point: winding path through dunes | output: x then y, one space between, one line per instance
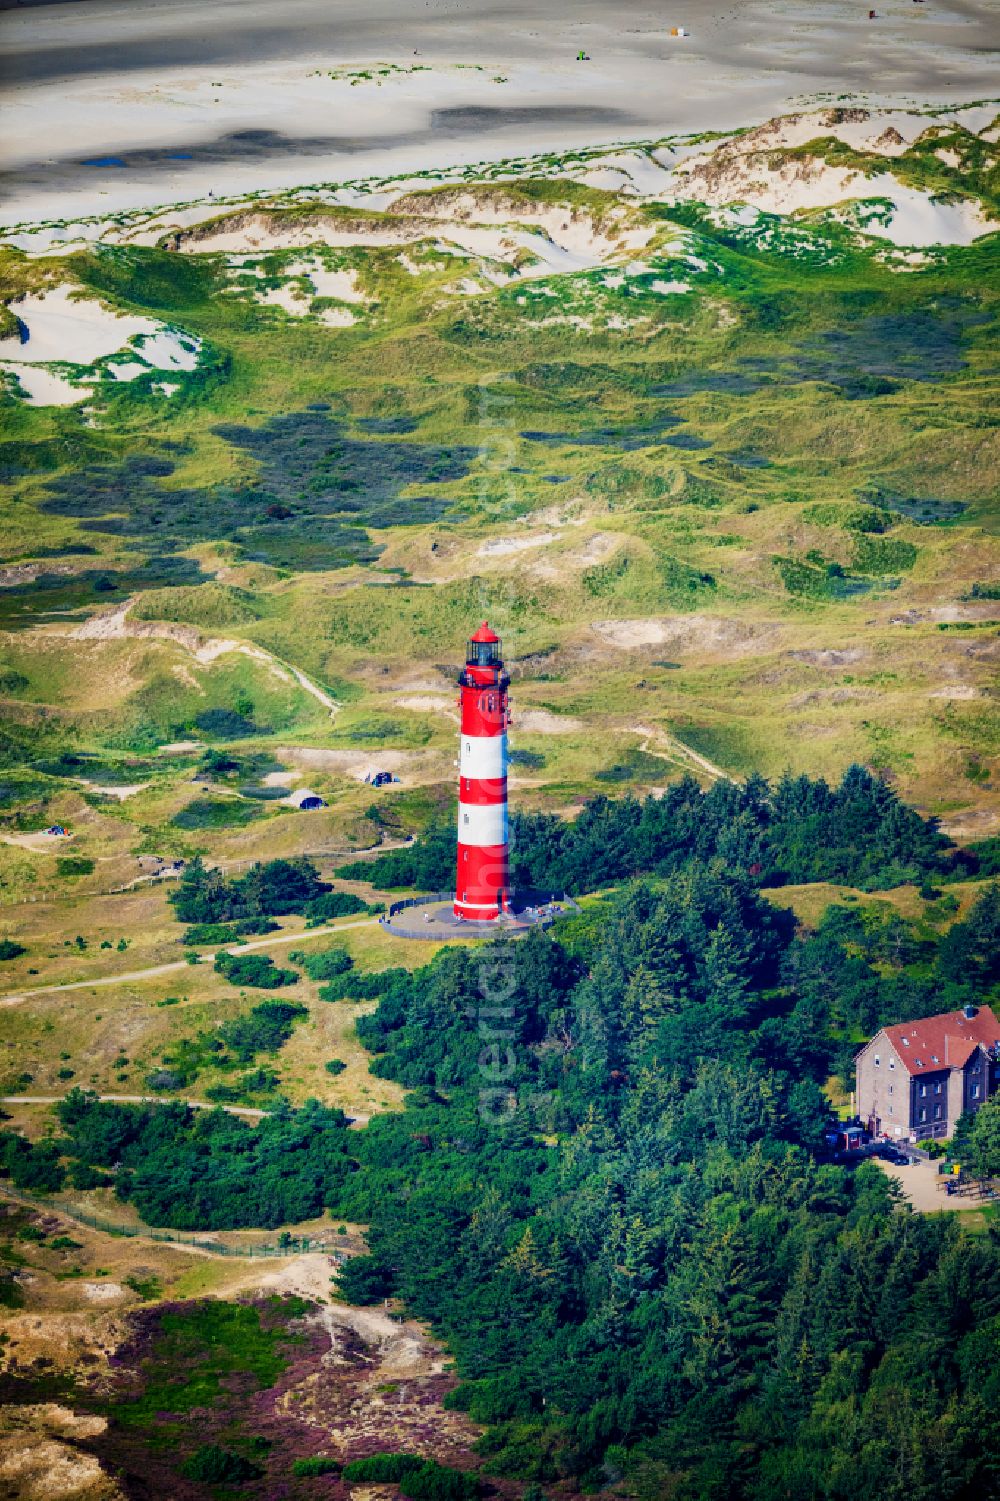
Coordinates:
137 975
662 743
117 624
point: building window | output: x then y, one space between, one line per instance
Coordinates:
937 1112
923 1091
975 1091
892 1063
923 1115
890 1089
877 1060
465 817
937 1087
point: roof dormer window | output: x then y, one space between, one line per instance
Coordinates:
906 1042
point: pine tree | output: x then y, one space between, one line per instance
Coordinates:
724 973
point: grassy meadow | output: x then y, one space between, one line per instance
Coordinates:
725 484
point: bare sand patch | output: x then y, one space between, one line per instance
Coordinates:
34 1468
342 284
427 703
688 633
839 656
121 792
916 218
501 547
291 299
63 327
337 317
305 280
44 388
102 1292
281 778
543 722
59 327
356 763
401 1349
597 549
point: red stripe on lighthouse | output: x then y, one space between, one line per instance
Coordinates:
482 879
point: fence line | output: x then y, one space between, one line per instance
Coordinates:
294 1246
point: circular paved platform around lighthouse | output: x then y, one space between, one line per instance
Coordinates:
433 918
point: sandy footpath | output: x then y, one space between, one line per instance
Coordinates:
113 105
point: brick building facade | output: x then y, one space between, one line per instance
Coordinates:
915 1079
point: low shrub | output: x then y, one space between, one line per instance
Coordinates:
9 949
260 1081
83 1177
418 1478
325 965
254 969
226 724
361 986
213 1465
228 932
531 760
69 866
34 1166
316 1464
382 1469
164 1079
333 904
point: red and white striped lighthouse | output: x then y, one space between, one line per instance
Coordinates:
482 883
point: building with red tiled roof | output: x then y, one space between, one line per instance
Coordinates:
915 1079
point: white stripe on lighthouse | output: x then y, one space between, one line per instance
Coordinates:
482 824
483 757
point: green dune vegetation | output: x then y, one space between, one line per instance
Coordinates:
724 479
729 480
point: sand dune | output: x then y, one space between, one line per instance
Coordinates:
113 107
58 327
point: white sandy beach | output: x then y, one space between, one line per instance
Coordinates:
110 106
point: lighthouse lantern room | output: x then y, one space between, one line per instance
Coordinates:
482 888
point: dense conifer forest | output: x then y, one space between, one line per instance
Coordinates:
609 1191
798 830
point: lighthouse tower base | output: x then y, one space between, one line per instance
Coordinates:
434 918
